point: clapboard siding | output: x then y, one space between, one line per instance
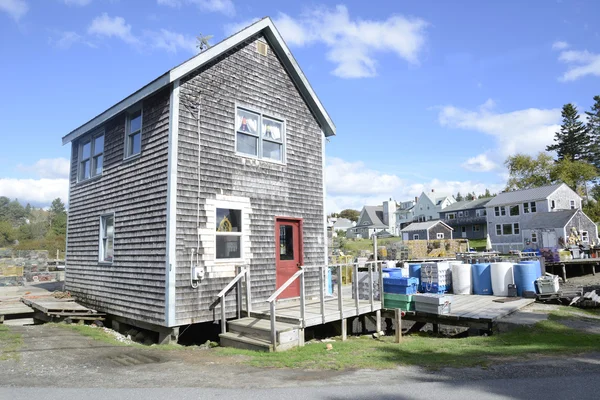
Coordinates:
213 172
136 191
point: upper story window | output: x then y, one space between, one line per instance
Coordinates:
529 207
440 235
572 204
451 216
585 237
259 136
480 213
91 156
552 204
133 134
107 238
514 210
460 213
500 211
466 214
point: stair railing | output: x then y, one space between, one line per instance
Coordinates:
244 272
272 302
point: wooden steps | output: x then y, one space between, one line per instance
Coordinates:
255 334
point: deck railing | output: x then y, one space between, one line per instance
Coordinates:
244 272
273 308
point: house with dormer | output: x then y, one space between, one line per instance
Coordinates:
375 220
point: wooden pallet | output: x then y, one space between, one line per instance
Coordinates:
51 309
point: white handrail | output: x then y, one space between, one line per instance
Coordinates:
233 282
287 283
273 297
244 272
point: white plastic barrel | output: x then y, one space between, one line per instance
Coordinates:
462 280
502 276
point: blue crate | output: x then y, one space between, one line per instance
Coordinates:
399 289
434 288
401 281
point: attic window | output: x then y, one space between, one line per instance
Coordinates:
261 48
259 136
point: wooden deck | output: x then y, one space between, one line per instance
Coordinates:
470 310
289 310
581 265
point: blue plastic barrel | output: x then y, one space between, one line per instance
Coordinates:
393 272
482 279
525 275
536 263
414 271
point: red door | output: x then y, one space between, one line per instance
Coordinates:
288 254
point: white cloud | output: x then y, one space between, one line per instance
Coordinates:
579 64
528 131
52 168
67 39
559 45
354 185
480 163
222 6
79 3
112 27
353 44
15 8
39 192
172 41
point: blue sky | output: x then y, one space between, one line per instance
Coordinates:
428 94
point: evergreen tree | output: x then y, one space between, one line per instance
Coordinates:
593 128
458 197
572 141
58 217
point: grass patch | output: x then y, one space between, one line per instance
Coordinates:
355 246
565 312
478 244
545 338
102 336
10 343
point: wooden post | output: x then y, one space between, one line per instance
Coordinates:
398 313
564 272
344 329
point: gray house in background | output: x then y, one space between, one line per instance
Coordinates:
552 229
374 219
215 164
429 230
510 214
467 218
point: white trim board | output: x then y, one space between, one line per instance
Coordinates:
265 26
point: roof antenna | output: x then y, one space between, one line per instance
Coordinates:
202 42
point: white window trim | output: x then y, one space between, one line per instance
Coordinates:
453 215
140 108
415 236
498 226
101 239
515 227
439 235
90 139
240 234
460 214
510 214
534 237
572 204
267 115
586 238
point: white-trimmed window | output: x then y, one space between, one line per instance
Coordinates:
133 133
439 235
500 211
513 210
451 216
476 228
516 230
534 237
259 135
228 233
107 238
460 213
572 204
480 213
507 229
498 229
416 236
466 214
91 156
529 207
585 237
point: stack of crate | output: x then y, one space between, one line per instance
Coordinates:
363 286
398 293
436 277
431 303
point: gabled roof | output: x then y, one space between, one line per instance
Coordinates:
343 223
550 220
437 198
264 26
375 214
467 205
519 196
423 226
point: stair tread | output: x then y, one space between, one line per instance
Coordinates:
246 339
262 324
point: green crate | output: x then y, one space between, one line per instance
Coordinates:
398 297
403 305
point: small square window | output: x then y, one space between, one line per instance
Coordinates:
107 238
514 211
258 135
416 236
440 235
133 134
507 229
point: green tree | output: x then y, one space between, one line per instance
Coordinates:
572 141
458 197
350 214
593 129
526 172
7 234
576 174
486 194
58 217
592 210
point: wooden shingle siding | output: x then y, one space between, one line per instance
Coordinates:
246 78
136 192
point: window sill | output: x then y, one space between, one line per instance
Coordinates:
132 158
229 261
88 180
105 263
267 160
